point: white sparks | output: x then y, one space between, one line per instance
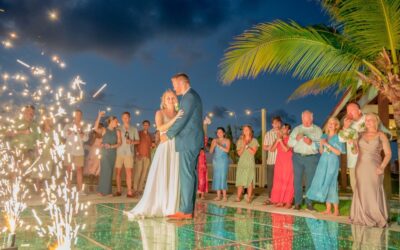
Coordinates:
98 91
77 82
23 63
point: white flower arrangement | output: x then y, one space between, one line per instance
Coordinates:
349 135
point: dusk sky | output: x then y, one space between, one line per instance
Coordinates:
136 46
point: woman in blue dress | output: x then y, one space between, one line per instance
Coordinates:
111 140
220 147
324 187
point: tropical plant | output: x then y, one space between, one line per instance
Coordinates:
358 50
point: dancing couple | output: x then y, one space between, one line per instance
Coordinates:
172 180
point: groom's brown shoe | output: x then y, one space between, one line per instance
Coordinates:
180 216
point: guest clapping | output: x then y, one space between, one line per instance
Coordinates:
369 206
283 190
110 142
324 187
304 139
220 147
245 174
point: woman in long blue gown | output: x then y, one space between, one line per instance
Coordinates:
324 186
220 147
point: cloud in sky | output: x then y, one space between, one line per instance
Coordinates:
113 28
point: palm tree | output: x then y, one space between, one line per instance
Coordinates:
360 49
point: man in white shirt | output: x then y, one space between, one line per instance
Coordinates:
75 136
269 141
125 154
304 140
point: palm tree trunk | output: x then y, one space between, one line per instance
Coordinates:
383 111
396 112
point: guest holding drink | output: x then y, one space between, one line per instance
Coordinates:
75 136
324 187
126 153
283 189
304 139
246 169
111 141
220 147
369 206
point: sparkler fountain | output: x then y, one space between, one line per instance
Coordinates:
16 158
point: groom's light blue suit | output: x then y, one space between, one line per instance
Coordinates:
189 139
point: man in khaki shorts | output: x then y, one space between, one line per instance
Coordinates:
143 156
75 136
125 154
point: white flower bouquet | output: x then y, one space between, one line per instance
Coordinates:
349 135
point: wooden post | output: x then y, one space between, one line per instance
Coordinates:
263 154
383 112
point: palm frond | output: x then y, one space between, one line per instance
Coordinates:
341 81
282 47
372 24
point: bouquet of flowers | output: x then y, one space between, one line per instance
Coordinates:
349 135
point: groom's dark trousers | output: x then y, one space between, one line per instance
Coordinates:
188 180
189 139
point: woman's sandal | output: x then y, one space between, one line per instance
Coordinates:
217 199
238 200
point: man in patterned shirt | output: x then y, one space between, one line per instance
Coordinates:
269 141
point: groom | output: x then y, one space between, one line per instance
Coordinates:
189 138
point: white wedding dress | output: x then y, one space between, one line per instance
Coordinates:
161 193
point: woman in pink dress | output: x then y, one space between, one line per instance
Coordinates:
202 172
283 190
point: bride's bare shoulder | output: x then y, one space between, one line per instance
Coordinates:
159 115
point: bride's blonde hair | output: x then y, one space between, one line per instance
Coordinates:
163 101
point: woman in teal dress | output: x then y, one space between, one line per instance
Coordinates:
220 147
324 187
246 168
110 142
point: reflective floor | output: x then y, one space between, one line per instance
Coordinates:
214 227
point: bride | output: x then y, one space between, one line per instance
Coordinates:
161 193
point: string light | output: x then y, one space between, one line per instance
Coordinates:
7 44
53 15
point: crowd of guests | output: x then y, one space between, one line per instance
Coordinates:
307 155
96 153
303 164
298 157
